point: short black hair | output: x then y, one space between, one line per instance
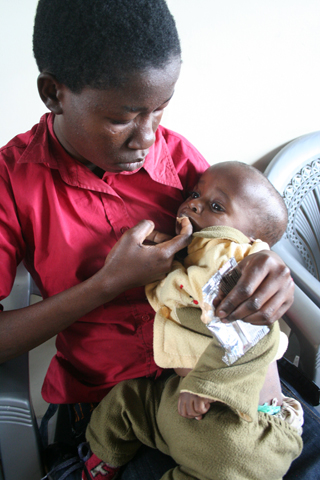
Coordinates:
98 43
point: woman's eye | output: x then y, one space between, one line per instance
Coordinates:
115 121
119 122
216 207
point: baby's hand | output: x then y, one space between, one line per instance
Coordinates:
193 406
183 226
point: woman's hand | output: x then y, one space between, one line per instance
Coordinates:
131 263
193 406
263 293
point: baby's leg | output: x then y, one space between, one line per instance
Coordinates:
271 388
181 473
223 445
125 419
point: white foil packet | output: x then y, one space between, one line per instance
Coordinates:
236 337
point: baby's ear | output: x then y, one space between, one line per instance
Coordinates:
51 92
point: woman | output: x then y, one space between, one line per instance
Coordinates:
79 191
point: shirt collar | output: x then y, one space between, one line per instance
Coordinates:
159 163
45 148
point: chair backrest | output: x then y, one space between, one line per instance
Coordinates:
295 172
20 445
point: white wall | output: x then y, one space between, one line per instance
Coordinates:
20 104
250 78
249 82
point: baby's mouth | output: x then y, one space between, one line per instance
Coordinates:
195 226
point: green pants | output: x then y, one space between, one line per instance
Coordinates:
221 446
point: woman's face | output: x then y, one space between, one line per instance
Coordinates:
114 128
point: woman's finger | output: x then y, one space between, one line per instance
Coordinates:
264 277
271 311
158 237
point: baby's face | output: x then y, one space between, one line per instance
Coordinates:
221 197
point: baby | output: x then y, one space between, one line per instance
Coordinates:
248 430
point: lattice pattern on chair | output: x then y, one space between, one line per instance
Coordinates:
295 172
302 197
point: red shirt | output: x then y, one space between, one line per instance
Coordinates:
63 220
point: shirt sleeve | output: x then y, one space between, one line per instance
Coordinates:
12 244
238 385
167 292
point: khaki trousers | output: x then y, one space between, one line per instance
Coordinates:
221 446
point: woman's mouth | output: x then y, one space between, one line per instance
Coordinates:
131 166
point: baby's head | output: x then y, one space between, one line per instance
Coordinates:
237 195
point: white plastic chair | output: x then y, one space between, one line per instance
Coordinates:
20 445
295 173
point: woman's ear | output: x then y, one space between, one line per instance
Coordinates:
50 91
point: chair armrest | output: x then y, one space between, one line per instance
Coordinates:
307 282
20 445
304 319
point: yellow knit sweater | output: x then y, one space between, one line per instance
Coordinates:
177 345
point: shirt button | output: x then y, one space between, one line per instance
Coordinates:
124 229
145 318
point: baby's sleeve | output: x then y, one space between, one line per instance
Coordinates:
175 290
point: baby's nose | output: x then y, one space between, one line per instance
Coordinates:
195 205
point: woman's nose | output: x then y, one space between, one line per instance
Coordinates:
143 135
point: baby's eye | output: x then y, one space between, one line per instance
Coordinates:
216 207
194 195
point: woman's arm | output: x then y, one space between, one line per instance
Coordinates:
23 329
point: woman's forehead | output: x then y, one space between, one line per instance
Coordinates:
140 90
